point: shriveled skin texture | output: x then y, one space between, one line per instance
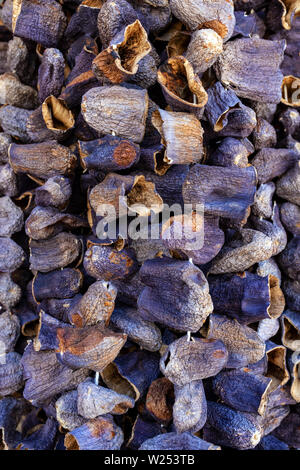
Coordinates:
114 15
11 217
92 347
291 291
61 284
290 217
182 135
8 181
5 141
225 192
97 434
232 428
273 230
190 408
9 331
46 377
288 186
264 135
271 163
39 21
244 297
154 19
159 400
268 328
232 152
116 109
55 192
243 68
217 15
42 160
241 390
200 358
10 292
11 374
243 344
289 259
267 267
174 441
254 247
94 401
211 241
273 417
105 262
263 201
176 294
204 48
288 431
13 121
96 305
67 411
46 222
142 332
51 74
11 255
57 252
13 92
42 439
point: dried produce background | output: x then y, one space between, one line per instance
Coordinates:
149 343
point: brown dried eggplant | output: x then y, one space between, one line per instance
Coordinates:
43 160
243 344
120 61
189 360
116 110
95 306
159 400
107 263
92 347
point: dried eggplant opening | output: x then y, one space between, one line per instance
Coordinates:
71 442
92 3
277 369
56 114
219 125
217 26
124 154
30 328
134 47
178 44
143 198
291 10
16 10
178 79
115 381
295 387
291 334
160 165
277 301
290 91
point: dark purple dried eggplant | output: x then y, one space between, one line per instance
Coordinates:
247 297
176 294
174 441
242 68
